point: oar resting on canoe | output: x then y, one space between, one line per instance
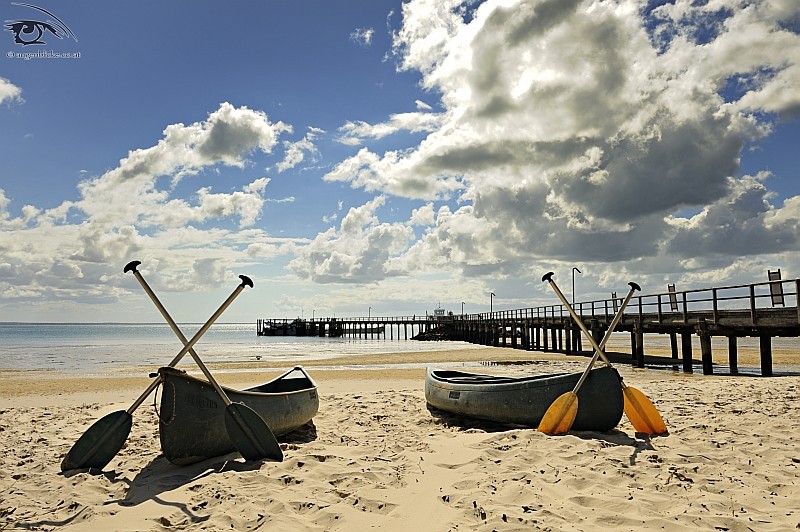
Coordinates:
192 423
524 400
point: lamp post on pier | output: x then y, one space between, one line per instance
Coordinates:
491 296
574 269
462 308
576 337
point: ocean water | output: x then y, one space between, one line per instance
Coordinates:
96 349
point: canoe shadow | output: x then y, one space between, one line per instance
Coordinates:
160 475
449 419
613 437
303 434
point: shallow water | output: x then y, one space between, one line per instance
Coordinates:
99 348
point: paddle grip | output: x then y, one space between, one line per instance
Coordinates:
131 266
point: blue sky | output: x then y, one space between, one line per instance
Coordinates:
364 153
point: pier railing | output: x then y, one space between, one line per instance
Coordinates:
747 302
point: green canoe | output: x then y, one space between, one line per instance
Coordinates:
192 415
524 400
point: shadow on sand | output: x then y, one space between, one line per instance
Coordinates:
641 442
160 476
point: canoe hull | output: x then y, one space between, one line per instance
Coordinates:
192 415
524 400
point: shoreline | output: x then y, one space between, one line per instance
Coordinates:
18 384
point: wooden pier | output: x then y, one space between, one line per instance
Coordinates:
761 310
405 327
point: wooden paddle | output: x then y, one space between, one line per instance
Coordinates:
640 410
103 440
247 430
561 415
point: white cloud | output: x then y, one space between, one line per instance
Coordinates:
354 133
423 216
361 250
742 220
125 214
227 137
573 130
394 174
295 151
4 202
570 132
9 92
362 36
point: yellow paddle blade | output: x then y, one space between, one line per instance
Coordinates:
642 413
559 417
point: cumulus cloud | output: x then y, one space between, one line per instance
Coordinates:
582 130
246 204
127 213
393 173
742 220
360 250
565 132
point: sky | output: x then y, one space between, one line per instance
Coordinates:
374 157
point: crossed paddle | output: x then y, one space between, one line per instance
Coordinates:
638 408
247 430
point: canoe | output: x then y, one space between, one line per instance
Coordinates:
524 400
191 414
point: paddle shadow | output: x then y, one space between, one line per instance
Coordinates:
645 444
157 477
640 442
614 437
161 476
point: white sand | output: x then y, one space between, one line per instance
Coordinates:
381 460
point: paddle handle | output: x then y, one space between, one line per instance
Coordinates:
607 335
190 344
549 278
180 335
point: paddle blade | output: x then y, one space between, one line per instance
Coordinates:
250 434
642 413
100 443
561 415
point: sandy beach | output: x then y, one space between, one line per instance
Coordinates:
377 458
